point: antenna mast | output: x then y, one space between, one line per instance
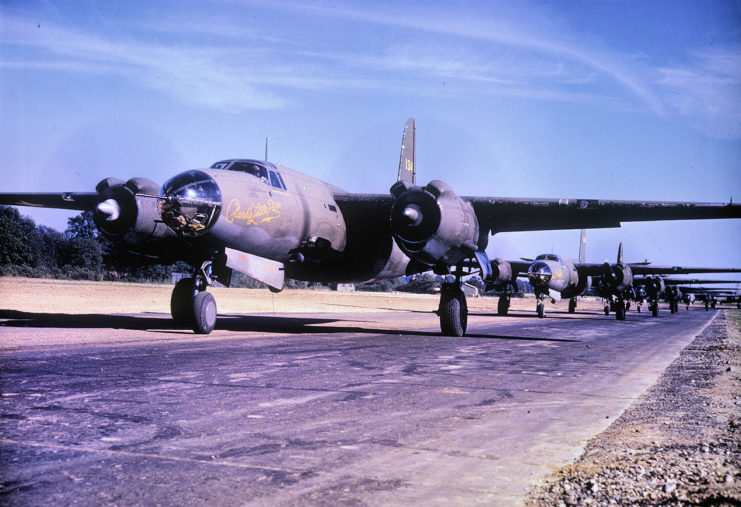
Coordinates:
266 149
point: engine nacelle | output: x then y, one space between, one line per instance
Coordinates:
617 276
432 225
501 272
655 287
128 212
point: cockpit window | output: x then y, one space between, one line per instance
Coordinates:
221 165
283 183
548 257
251 168
274 180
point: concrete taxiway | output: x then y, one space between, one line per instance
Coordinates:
313 408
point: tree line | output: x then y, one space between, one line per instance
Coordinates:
78 253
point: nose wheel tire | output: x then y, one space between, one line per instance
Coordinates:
204 313
541 310
188 309
453 312
181 301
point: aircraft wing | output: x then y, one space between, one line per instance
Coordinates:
512 214
497 214
82 201
678 270
695 281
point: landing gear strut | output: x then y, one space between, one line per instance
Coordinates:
191 305
540 305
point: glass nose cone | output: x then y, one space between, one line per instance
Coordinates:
190 203
539 274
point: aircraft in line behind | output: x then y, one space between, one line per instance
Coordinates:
271 222
613 282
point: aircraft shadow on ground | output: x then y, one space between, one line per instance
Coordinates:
227 322
533 315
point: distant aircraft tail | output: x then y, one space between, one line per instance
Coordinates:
583 246
620 253
407 170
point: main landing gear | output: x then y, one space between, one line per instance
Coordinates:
191 305
620 309
654 307
572 305
619 306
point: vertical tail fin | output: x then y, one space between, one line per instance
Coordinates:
407 170
620 253
583 246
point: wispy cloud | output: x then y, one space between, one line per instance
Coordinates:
222 62
708 90
534 37
191 74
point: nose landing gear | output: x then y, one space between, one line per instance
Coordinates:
453 310
191 305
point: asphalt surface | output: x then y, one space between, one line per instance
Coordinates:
314 409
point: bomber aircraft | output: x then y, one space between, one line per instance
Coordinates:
271 222
613 282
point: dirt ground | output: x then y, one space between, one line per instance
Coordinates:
79 297
678 444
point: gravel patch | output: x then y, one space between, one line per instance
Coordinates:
678 444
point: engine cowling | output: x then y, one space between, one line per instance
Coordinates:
617 276
501 272
655 287
128 212
432 225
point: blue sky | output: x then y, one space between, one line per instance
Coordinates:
613 100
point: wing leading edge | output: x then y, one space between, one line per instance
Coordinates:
81 201
509 214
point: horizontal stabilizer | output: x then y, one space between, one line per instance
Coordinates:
269 272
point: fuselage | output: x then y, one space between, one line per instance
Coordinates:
553 272
274 212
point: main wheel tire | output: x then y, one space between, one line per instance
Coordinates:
620 311
453 313
181 302
541 310
503 306
572 305
204 313
607 310
655 310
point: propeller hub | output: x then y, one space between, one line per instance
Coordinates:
110 209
